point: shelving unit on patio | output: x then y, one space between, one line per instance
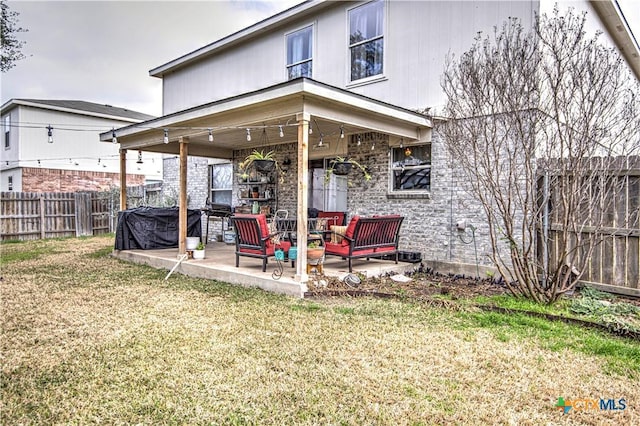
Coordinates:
267 192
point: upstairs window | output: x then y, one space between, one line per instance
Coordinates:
366 39
6 123
300 53
411 168
10 183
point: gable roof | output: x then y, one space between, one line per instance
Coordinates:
266 25
80 107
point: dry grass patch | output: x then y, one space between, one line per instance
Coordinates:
89 339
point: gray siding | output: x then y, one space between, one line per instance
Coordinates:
418 37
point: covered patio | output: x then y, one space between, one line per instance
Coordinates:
283 113
219 265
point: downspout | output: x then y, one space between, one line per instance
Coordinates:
545 228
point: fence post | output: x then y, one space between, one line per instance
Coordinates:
84 225
42 218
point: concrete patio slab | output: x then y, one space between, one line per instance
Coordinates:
219 264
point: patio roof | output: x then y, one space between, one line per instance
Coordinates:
330 108
289 109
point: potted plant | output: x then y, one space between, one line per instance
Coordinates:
341 166
192 242
243 177
314 250
261 161
264 163
198 253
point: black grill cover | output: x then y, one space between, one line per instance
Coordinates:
153 227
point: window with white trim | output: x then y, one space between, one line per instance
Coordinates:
10 183
366 39
411 168
6 123
221 183
300 53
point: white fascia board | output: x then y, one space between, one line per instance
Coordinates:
616 24
253 30
19 102
300 88
206 110
372 105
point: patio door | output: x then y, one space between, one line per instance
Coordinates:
328 195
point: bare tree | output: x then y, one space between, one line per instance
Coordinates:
8 41
543 125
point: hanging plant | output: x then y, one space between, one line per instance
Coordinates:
264 163
342 166
342 169
260 160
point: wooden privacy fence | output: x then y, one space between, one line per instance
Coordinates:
33 215
610 216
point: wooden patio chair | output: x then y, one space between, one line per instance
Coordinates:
254 240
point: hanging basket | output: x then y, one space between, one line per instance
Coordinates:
342 168
264 165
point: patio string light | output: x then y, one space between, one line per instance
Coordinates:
207 131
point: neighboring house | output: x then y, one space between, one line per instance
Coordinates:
359 79
53 146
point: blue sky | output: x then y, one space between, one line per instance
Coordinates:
102 51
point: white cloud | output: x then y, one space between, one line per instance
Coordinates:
102 51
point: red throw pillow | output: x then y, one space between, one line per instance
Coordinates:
262 222
351 228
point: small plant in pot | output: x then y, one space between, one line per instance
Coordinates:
198 253
341 166
314 250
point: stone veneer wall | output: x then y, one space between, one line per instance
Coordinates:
197 181
429 224
35 179
430 219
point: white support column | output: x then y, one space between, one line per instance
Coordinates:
303 193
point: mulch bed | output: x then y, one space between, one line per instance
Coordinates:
425 285
422 284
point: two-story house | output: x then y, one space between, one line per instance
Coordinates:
352 79
53 146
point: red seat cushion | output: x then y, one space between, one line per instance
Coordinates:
270 249
340 250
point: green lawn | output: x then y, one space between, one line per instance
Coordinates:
89 339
